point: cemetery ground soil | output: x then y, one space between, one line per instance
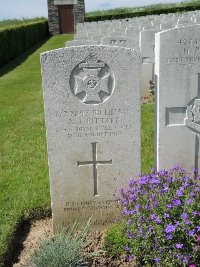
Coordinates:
93 251
24 185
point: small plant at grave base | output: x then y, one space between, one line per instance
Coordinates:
161 217
151 88
63 249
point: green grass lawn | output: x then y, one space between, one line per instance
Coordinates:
24 185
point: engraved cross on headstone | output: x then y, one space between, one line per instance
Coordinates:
94 162
176 116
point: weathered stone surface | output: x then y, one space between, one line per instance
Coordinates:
178 97
147 43
80 42
92 110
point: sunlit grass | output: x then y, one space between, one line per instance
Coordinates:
24 184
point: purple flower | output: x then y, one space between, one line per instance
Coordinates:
129 222
130 235
170 228
186 178
185 184
166 215
192 265
194 213
166 189
198 228
143 180
198 238
127 248
177 202
162 173
157 259
124 202
189 201
179 246
187 222
179 193
169 237
191 233
131 198
130 258
184 216
169 206
154 181
155 218
137 207
150 228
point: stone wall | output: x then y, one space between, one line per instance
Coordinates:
53 13
79 11
54 27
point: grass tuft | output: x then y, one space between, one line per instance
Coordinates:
63 249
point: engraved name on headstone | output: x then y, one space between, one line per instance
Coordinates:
92 111
178 93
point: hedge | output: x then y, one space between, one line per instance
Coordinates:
145 12
16 39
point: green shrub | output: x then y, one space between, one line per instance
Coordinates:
115 240
63 249
16 39
137 12
14 22
161 217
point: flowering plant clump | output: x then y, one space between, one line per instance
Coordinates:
161 213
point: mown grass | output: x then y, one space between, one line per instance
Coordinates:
126 10
147 137
24 184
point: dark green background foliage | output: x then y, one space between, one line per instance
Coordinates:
15 39
142 11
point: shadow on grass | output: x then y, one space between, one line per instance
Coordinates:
21 58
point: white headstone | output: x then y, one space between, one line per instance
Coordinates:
80 42
81 36
178 97
122 41
147 43
98 37
92 111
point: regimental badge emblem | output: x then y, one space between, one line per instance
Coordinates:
193 115
92 81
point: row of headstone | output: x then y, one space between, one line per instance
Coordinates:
133 33
92 110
